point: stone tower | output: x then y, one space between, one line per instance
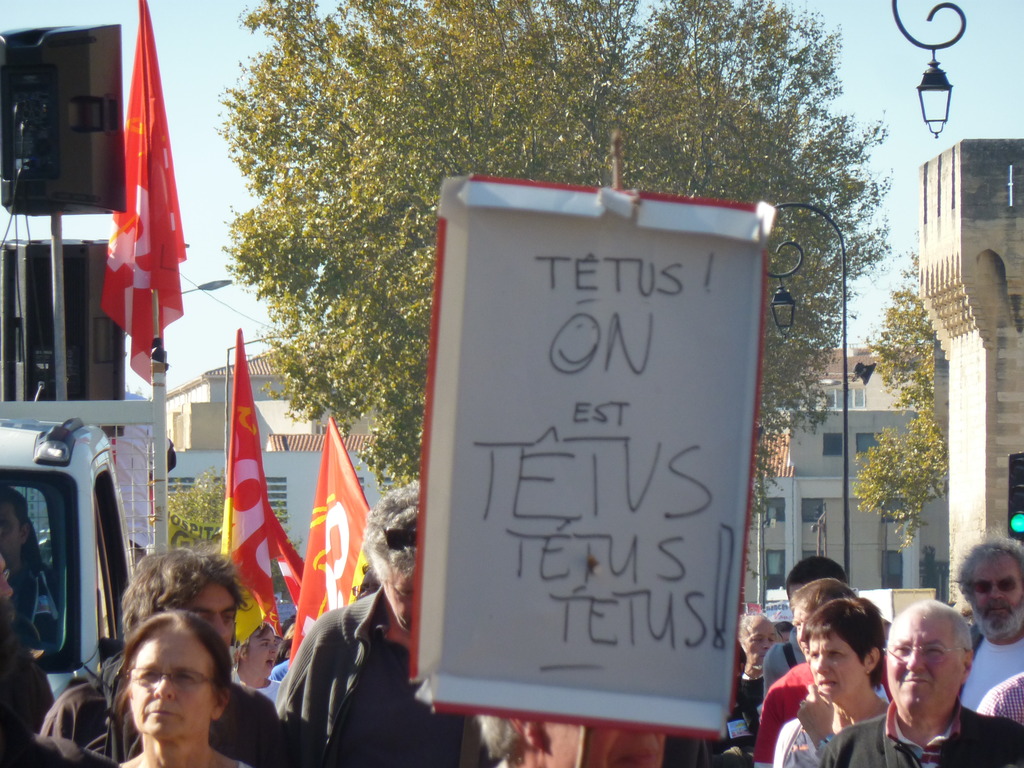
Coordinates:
972 280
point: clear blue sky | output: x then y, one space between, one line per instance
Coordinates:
201 46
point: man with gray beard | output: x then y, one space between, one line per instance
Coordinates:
992 580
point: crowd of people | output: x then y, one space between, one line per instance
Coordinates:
931 690
841 690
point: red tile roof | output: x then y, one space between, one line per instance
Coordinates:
259 365
315 443
834 369
779 462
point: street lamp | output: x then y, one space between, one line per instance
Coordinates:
787 307
935 90
213 285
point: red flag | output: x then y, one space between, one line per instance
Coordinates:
287 558
251 533
147 243
335 537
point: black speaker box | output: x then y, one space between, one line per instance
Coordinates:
94 344
61 126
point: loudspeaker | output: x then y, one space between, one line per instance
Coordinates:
94 344
61 126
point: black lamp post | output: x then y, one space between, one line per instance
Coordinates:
935 90
783 307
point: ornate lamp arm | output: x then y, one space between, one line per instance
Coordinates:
933 47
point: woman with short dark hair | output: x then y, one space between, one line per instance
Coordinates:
845 642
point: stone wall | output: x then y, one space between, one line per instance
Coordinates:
972 281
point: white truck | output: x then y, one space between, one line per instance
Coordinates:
75 557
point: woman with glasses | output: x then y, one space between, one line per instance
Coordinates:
846 643
178 678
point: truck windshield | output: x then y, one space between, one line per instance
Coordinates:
35 528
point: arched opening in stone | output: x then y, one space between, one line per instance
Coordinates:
1006 307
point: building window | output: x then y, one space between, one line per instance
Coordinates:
277 495
857 399
811 510
832 444
889 509
775 511
775 568
175 484
866 440
892 569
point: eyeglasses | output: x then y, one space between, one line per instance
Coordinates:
984 586
932 654
400 538
182 679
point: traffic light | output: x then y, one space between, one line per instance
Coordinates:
1015 516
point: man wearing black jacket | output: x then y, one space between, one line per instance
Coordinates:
926 726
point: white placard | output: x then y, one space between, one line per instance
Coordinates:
590 425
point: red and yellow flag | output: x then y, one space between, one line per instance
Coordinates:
252 535
147 243
334 552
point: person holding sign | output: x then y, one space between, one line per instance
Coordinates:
347 699
535 744
845 643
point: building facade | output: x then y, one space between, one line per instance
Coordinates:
804 514
197 418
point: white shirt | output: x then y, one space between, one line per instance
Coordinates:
270 689
992 665
794 749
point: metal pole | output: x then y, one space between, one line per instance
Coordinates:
160 519
760 558
6 353
227 407
60 363
846 377
846 431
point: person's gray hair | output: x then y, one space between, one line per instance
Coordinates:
935 608
397 510
989 549
501 738
748 621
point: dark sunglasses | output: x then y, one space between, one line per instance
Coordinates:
984 586
400 538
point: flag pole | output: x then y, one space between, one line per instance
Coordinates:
583 749
158 371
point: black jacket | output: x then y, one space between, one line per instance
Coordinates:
983 742
317 691
23 749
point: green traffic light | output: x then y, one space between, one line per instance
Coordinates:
1017 522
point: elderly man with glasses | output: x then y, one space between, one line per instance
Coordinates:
991 580
347 699
925 726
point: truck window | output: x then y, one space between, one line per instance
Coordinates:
111 568
35 528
